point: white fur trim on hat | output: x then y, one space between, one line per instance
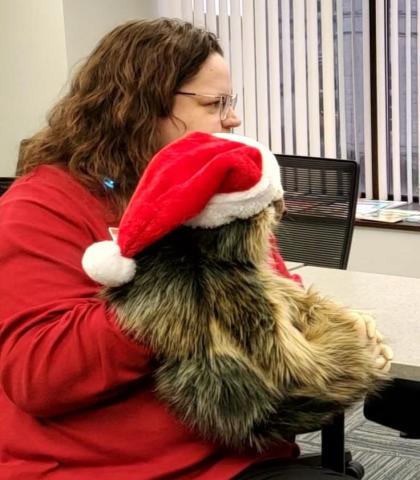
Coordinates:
103 262
224 208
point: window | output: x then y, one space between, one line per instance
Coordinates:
331 78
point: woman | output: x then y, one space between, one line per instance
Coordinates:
77 396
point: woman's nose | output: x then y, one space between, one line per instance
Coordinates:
231 121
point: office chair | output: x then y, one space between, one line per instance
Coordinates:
321 198
396 406
5 183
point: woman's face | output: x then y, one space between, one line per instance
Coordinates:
191 112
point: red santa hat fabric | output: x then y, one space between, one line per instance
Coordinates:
200 180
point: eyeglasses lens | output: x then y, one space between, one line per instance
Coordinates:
227 103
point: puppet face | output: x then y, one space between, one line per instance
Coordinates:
240 240
280 209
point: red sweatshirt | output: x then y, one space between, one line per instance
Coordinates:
76 396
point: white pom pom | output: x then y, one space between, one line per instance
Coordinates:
103 262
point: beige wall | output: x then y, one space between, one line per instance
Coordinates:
33 70
380 250
40 41
86 21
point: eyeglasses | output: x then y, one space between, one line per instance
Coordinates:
226 101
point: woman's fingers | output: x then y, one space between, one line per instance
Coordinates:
379 336
361 329
387 367
373 339
370 326
366 325
387 352
383 357
380 362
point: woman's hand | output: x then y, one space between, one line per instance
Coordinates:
374 341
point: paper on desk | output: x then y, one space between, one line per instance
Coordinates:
365 206
390 215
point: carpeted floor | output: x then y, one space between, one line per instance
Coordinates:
384 455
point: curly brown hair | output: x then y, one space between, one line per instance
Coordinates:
107 124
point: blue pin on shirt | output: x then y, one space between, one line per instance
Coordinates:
109 183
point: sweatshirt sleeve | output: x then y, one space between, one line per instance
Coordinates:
279 265
60 348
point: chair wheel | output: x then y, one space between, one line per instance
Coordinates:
355 470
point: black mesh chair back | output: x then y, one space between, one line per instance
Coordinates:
321 199
5 183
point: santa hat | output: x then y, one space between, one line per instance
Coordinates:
200 180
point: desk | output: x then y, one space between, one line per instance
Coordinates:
293 265
394 302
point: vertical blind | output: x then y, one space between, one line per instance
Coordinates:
302 72
400 173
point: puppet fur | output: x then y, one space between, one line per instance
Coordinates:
246 357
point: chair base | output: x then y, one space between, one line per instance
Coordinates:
355 469
396 406
351 468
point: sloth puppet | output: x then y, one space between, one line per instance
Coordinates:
246 357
